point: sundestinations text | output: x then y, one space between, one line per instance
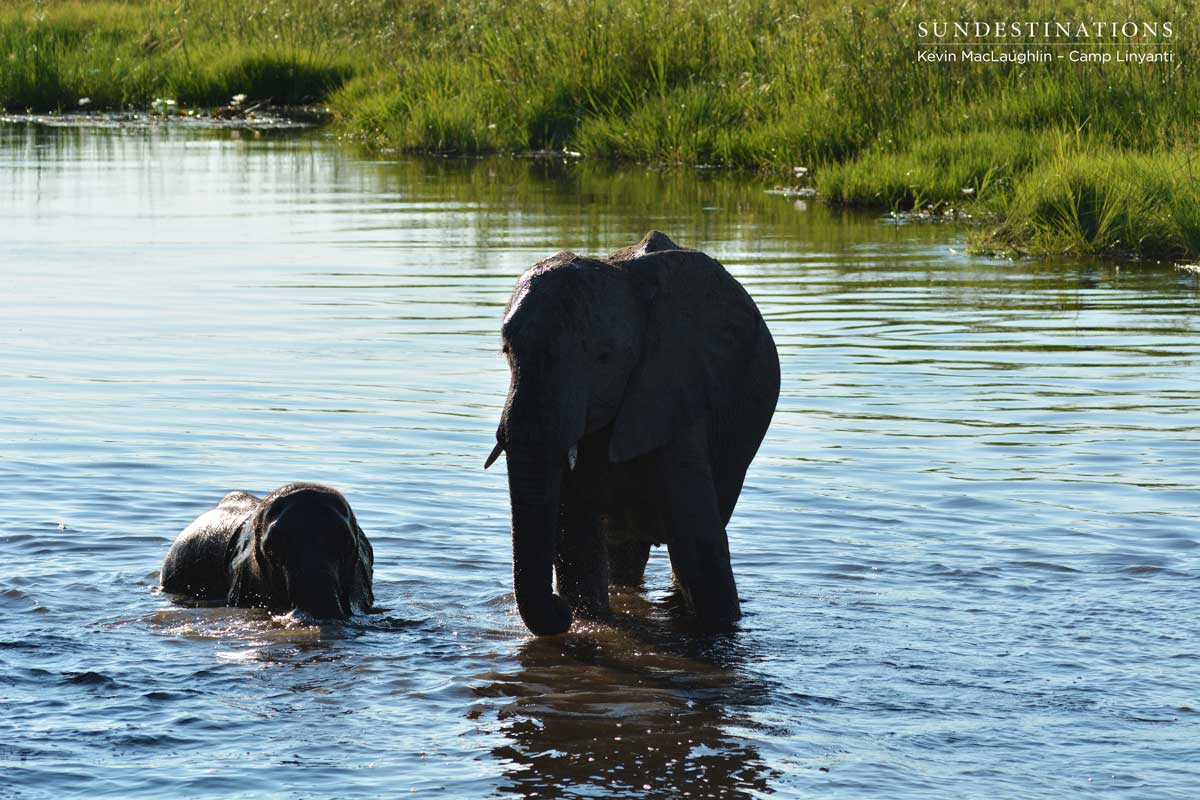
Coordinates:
1046 30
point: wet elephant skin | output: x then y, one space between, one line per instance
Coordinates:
298 548
641 387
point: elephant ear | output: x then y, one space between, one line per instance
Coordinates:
364 566
246 587
700 332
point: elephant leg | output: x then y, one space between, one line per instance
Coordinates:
698 545
581 564
627 561
628 547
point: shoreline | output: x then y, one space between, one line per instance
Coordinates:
1047 148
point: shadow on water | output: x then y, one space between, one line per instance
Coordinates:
645 707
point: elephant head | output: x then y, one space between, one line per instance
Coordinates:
305 551
638 344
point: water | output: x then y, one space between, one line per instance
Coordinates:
968 547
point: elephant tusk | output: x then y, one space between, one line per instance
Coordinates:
496 451
573 456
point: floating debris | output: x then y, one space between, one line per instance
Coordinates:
563 154
794 191
930 213
253 118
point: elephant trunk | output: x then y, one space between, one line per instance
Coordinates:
534 482
332 603
316 588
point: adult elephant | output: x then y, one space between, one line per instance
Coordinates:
299 547
641 388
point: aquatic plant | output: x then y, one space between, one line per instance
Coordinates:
1103 200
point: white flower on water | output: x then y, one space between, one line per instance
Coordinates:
237 100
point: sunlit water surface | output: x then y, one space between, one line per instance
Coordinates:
968 547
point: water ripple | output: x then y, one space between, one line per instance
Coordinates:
967 549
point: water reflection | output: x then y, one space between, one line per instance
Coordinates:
641 708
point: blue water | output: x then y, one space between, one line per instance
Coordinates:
967 550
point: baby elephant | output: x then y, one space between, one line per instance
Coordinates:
301 547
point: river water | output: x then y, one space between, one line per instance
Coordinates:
967 549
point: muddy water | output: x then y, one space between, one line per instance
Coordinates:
968 548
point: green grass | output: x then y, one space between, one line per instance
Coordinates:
1067 157
1089 200
52 54
936 169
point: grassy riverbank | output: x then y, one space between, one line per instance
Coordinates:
1070 157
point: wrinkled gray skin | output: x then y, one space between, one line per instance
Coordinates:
641 388
300 547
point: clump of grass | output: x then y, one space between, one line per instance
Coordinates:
427 113
923 169
686 125
1090 200
284 78
52 58
117 54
